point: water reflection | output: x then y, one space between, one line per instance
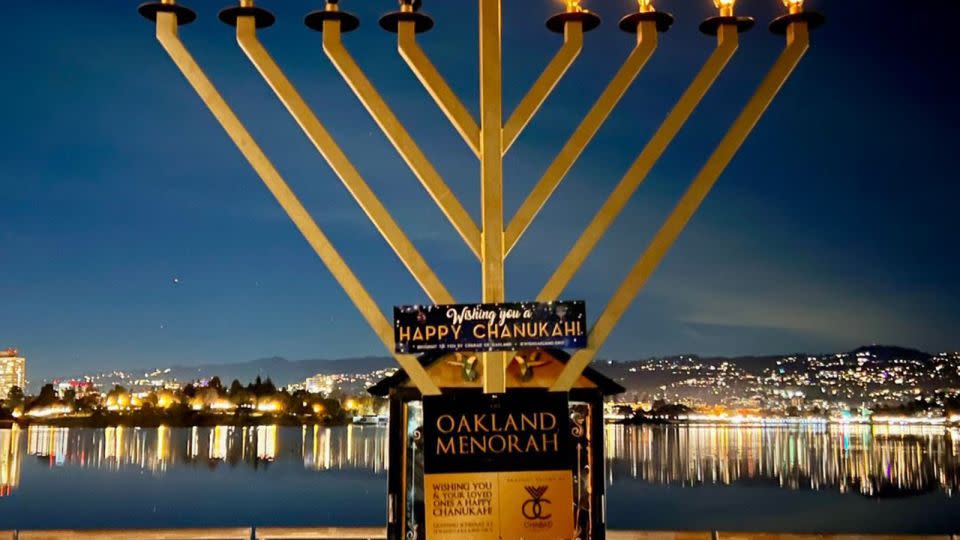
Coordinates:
873 461
870 460
9 460
324 448
157 450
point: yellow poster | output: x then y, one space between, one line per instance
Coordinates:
530 505
462 506
536 505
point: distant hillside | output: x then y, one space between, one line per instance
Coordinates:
875 373
685 375
280 370
284 371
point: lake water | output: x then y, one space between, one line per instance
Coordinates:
788 479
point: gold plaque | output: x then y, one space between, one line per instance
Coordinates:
462 506
525 505
536 505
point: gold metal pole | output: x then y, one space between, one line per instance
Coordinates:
727 42
491 173
167 36
797 44
437 87
399 136
338 161
646 45
541 89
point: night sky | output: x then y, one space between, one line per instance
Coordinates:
133 234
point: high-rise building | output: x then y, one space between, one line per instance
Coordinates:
13 371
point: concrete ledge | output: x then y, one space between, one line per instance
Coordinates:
380 533
321 533
657 535
775 536
140 534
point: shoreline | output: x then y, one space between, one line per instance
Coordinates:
199 420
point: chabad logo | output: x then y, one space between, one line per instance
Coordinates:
533 507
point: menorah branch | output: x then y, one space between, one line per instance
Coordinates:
491 177
797 44
727 43
544 85
646 45
338 161
168 38
398 136
437 86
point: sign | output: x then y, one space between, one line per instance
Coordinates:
490 327
498 466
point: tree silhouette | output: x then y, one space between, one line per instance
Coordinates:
15 397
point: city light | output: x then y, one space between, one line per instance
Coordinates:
269 406
52 410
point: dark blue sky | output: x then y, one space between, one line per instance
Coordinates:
835 225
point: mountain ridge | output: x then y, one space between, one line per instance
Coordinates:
284 371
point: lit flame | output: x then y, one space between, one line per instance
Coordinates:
726 6
573 6
645 6
795 6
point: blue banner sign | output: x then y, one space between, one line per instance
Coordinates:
490 327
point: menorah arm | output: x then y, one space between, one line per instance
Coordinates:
646 45
544 85
399 137
727 43
167 36
797 44
437 87
338 161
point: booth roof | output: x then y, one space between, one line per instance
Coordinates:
605 384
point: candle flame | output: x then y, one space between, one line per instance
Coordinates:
795 6
645 6
725 7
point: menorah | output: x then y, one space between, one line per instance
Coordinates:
489 140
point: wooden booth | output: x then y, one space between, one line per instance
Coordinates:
528 374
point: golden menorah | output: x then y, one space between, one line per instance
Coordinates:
489 139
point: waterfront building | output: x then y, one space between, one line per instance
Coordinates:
13 371
80 388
